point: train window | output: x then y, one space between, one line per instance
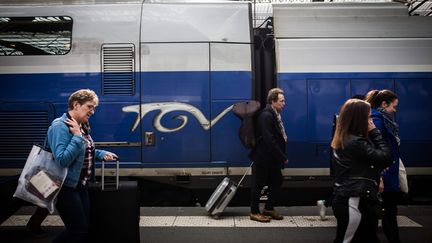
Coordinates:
48 35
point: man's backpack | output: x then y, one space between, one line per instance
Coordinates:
248 112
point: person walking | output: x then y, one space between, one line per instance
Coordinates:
359 155
384 104
269 157
72 147
325 203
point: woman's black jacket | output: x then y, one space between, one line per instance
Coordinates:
357 167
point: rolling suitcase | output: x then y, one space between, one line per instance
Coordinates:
114 210
223 195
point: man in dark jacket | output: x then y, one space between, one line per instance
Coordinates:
269 157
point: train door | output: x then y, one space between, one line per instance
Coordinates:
175 102
193 68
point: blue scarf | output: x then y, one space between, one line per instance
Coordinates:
390 123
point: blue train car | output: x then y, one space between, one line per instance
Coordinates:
327 54
168 72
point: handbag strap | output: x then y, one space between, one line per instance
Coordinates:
45 144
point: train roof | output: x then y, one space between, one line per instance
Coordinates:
78 2
344 9
348 20
64 2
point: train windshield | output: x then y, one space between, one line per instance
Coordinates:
48 35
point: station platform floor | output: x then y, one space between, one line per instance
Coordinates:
192 225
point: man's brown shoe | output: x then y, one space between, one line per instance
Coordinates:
273 214
259 217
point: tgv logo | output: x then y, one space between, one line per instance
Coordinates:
166 107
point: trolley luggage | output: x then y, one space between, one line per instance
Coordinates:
223 195
114 210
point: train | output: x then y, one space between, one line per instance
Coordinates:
168 73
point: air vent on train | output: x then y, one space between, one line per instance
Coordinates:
19 130
118 66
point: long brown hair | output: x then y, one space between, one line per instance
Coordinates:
353 119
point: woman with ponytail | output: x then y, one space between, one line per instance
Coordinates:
384 104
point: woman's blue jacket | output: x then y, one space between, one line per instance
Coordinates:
68 150
390 176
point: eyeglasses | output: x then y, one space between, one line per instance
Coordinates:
91 107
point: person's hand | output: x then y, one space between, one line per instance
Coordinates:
371 125
286 162
110 156
381 185
74 126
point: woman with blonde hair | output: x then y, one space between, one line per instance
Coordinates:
359 155
72 146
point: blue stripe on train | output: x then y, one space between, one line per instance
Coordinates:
312 99
190 147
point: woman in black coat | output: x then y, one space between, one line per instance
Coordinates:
359 155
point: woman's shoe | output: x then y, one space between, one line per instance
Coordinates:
321 209
37 231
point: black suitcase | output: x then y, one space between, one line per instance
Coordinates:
114 210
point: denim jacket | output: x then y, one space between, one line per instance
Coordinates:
68 150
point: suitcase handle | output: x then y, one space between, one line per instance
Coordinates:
117 173
250 166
